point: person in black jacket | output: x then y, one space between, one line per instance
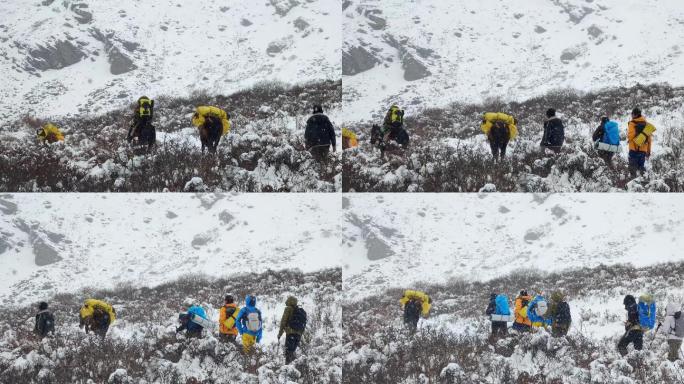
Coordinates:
554 132
319 134
560 315
45 321
633 332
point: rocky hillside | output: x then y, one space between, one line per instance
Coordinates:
75 57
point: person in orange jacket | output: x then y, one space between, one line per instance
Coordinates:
640 138
522 323
227 314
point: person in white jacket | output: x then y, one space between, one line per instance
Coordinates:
673 328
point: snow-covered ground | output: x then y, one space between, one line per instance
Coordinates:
73 57
394 240
264 151
424 54
452 345
449 153
56 243
143 347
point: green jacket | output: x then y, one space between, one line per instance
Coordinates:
290 306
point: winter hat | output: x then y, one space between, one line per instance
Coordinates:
317 108
43 306
636 112
550 112
629 300
230 299
250 301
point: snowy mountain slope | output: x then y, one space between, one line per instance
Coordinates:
393 240
68 57
142 346
265 150
449 153
62 242
453 346
422 54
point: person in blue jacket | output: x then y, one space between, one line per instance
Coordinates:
536 310
191 328
608 132
249 324
499 313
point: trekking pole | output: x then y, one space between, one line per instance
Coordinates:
654 335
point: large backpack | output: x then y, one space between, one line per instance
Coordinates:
647 311
679 324
396 116
298 319
253 322
145 108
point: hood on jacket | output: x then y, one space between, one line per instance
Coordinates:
250 301
291 301
672 308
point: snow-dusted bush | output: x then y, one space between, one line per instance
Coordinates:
449 153
453 345
264 151
142 346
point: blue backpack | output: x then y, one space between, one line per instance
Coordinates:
502 307
611 133
647 312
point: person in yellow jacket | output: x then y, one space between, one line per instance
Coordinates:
500 128
49 133
415 303
212 123
227 314
96 315
522 322
640 138
349 139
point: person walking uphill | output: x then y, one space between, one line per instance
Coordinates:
96 315
634 334
554 132
640 138
607 139
45 321
673 328
249 324
499 313
522 323
227 320
500 128
141 124
415 304
319 134
559 313
293 324
193 321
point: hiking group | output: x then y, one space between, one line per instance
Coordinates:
97 316
533 311
500 128
212 124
